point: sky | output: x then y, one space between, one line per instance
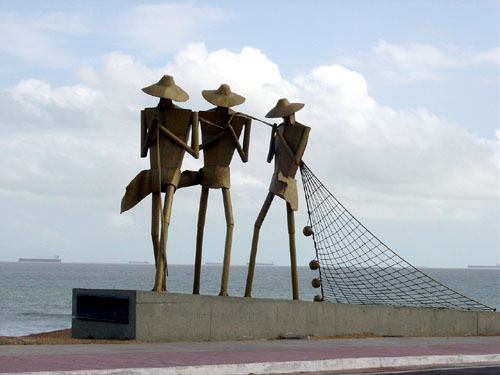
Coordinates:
402 98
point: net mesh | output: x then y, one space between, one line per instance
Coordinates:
357 268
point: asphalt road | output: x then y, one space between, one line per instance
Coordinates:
450 371
479 370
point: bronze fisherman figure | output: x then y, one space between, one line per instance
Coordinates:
220 129
164 132
287 145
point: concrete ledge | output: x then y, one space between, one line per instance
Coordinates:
157 316
294 367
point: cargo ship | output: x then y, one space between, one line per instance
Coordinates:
56 259
479 267
263 264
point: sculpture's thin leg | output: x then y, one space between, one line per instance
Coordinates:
293 257
155 225
228 211
160 282
255 241
199 239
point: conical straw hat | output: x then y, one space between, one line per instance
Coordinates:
223 96
166 88
284 108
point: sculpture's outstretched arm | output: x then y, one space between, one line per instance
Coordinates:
297 156
144 130
302 146
195 142
246 138
270 154
213 139
147 134
243 152
194 149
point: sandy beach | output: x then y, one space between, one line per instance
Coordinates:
59 337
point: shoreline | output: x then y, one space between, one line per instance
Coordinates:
58 337
63 337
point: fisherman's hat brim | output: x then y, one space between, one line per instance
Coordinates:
167 89
222 100
284 109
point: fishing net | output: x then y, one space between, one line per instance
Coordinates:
357 268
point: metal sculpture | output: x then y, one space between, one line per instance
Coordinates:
358 268
354 265
164 131
220 128
287 145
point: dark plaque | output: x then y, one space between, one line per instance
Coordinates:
114 309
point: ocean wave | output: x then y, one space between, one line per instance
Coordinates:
45 314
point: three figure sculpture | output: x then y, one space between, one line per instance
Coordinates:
165 131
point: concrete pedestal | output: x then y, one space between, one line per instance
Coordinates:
156 316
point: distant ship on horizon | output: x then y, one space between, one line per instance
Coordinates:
257 264
55 259
497 267
263 264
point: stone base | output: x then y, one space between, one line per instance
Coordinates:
156 316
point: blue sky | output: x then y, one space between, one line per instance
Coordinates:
295 35
402 97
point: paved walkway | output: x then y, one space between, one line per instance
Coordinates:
244 357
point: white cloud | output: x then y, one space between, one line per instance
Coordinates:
413 54
249 73
491 56
379 156
416 61
161 28
81 141
37 92
245 180
116 220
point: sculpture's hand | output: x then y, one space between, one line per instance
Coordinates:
294 157
153 125
270 154
152 132
150 137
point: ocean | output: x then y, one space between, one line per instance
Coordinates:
36 297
